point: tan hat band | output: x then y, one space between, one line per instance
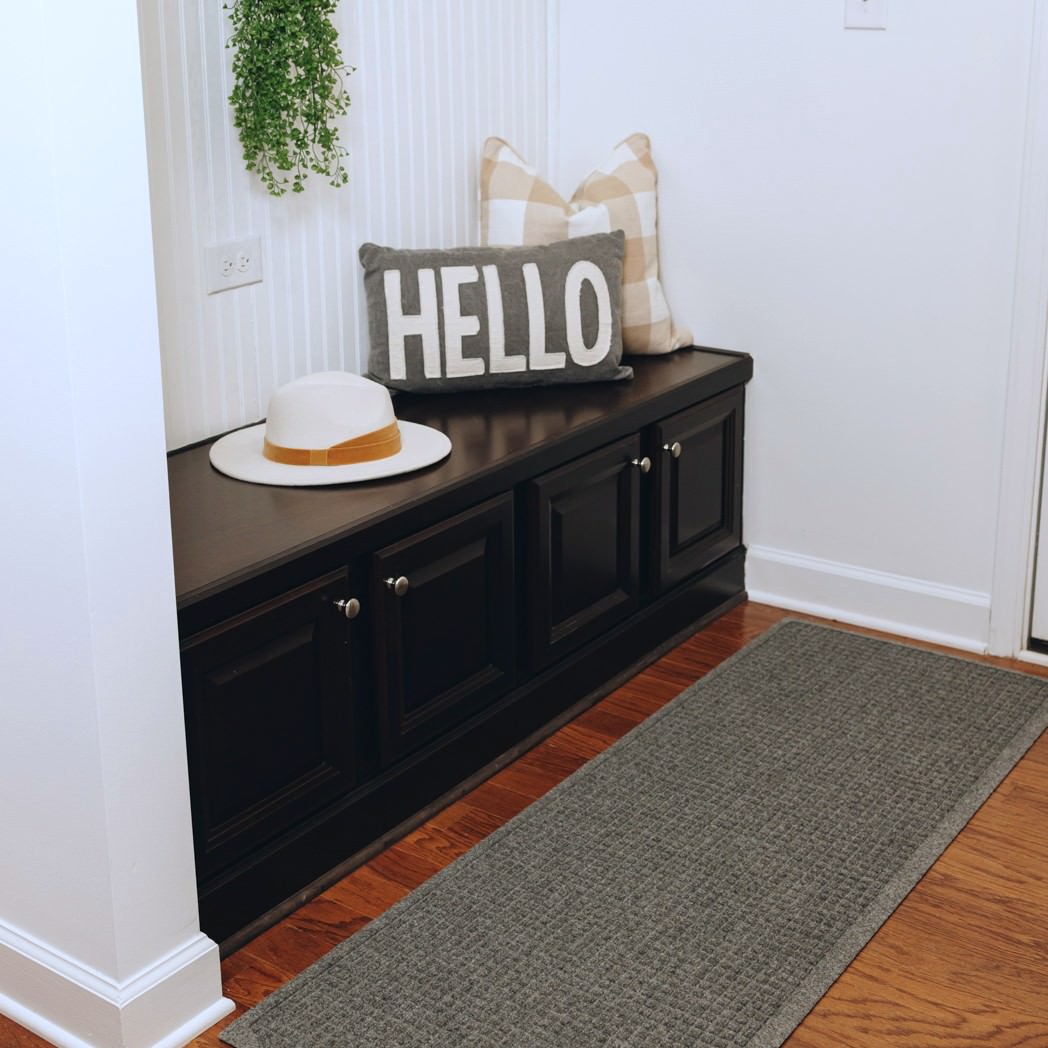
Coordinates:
378 444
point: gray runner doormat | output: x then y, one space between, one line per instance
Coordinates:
700 883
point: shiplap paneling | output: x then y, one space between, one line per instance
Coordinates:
433 79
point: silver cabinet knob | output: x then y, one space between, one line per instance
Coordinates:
399 586
643 464
674 449
350 608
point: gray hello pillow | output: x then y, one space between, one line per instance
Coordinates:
480 317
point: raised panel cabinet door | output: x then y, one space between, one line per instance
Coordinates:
269 718
583 545
445 610
698 472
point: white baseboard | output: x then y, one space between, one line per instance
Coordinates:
899 604
74 1006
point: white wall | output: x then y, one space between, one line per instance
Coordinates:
99 938
844 205
433 79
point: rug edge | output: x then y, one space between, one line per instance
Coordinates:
847 949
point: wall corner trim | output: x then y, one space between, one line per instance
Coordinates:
1022 441
910 607
74 1006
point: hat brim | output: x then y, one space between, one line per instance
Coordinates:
239 454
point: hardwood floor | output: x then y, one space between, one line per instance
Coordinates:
962 962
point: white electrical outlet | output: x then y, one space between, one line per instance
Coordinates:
865 14
233 264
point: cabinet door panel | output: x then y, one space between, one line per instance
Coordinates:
269 719
445 647
583 547
700 492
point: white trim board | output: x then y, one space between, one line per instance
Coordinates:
74 1006
898 604
1024 419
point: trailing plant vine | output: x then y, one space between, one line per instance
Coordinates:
288 90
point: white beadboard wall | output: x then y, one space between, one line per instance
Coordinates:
433 79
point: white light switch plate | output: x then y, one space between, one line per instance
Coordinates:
233 264
865 14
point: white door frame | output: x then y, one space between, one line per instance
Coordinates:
1022 447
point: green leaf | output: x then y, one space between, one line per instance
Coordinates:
288 87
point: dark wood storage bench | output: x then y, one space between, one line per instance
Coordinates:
573 533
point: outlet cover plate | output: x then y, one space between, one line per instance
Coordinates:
865 14
234 263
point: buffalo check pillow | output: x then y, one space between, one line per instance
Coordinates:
518 207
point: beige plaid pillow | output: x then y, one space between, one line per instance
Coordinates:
518 207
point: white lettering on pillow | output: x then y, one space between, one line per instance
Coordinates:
587 272
456 326
499 362
401 325
501 316
538 358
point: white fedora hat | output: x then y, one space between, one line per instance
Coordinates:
330 427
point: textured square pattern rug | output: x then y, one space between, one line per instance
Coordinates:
703 881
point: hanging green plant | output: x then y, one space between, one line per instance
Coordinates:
288 90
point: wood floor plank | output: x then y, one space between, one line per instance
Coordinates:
436 845
553 759
306 935
14 1036
248 978
407 864
367 891
497 800
811 1034
633 705
865 1008
963 962
468 821
912 948
603 720
581 741
1001 855
981 916
528 779
1038 753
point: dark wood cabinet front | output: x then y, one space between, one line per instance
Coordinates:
698 458
445 617
583 548
493 594
269 719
